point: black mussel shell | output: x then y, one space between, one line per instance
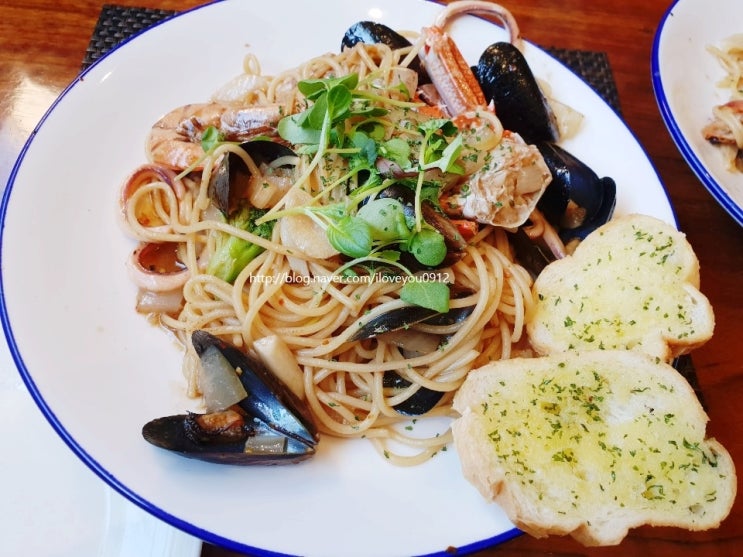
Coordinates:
530 255
393 320
268 400
404 317
269 426
371 32
183 434
229 182
574 184
420 402
601 216
507 81
572 180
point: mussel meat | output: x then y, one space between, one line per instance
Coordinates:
268 426
507 80
228 187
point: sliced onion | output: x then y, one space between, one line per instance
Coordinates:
219 382
280 360
266 443
159 302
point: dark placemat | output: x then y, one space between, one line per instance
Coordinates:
118 23
593 68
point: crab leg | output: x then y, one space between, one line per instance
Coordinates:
456 84
480 7
452 76
509 179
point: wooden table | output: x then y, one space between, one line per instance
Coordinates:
42 43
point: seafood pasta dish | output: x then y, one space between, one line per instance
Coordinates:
352 236
726 127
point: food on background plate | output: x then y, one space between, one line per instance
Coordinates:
726 128
591 444
352 208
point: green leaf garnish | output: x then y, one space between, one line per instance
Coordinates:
386 219
427 246
428 294
314 88
397 150
211 138
347 119
367 149
292 129
350 236
436 150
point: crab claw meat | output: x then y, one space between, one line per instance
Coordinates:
505 191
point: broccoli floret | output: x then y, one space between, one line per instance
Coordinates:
232 254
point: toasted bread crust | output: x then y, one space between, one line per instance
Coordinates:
591 445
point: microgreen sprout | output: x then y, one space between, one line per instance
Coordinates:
347 119
436 152
429 294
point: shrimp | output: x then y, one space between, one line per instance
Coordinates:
727 126
175 140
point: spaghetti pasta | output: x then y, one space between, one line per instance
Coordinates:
315 305
726 130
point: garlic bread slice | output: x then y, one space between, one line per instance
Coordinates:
591 445
631 284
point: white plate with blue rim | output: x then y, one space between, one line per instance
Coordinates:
53 505
99 371
685 81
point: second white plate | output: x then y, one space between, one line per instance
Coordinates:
685 77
